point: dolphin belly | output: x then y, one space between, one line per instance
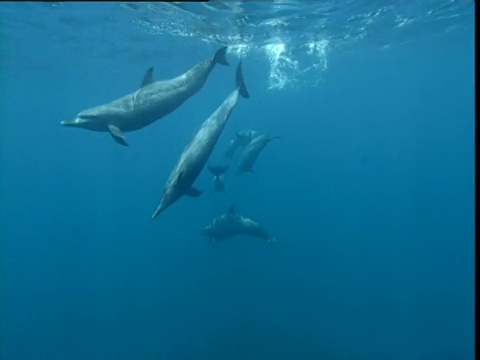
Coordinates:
143 108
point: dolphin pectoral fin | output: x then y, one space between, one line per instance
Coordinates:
147 78
117 134
194 192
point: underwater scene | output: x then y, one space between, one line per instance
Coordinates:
230 180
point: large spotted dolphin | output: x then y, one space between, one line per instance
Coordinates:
152 101
197 152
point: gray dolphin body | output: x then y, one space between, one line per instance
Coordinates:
196 154
232 224
252 151
218 181
152 101
242 139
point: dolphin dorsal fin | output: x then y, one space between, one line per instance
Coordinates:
147 78
231 210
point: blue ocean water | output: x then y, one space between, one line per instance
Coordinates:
370 191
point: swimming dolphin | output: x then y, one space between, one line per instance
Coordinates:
252 151
232 224
217 172
242 139
152 101
196 154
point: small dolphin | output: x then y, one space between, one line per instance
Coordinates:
152 101
196 154
242 139
217 172
231 224
252 151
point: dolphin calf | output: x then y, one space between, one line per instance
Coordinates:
152 101
242 139
252 151
217 172
232 224
196 153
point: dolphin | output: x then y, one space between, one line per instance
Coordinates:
232 224
196 153
217 172
252 151
242 139
152 101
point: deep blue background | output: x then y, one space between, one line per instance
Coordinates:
370 194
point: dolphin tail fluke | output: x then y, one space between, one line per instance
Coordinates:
217 170
219 57
240 82
271 240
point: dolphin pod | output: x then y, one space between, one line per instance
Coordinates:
197 152
152 101
155 99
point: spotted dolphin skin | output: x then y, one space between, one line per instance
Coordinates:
196 154
152 101
232 224
252 151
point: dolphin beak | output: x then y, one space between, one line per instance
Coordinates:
69 122
158 211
